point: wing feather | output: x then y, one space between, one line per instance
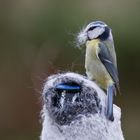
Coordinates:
107 61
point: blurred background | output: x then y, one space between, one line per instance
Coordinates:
38 38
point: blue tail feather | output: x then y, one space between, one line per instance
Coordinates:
110 94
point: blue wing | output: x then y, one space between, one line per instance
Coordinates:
106 59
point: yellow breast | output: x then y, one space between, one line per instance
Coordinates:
95 70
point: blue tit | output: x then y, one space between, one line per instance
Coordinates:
100 59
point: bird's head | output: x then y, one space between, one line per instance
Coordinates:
94 30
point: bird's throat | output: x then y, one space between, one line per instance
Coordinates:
93 42
92 49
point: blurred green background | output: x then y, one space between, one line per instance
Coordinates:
37 38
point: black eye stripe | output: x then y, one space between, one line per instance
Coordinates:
91 28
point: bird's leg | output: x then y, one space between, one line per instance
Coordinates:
110 94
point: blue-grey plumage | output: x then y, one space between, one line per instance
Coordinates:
100 59
109 112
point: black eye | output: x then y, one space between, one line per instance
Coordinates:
91 28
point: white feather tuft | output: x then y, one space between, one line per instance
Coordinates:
93 127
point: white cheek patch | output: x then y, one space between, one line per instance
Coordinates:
95 32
